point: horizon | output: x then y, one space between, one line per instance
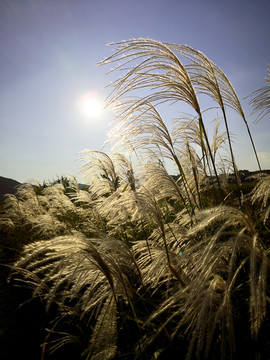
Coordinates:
49 56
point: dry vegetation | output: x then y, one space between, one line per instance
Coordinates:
143 264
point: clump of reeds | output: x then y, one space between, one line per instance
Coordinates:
152 265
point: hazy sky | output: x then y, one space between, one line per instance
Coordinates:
48 55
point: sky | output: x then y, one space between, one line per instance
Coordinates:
48 71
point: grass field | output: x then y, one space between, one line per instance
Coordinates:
142 264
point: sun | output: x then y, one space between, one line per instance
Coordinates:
90 105
92 108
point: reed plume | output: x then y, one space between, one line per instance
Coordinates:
260 99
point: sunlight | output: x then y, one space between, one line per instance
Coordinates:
90 105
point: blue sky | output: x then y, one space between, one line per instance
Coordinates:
48 56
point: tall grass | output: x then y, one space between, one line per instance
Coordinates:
145 264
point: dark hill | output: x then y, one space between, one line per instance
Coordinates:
7 186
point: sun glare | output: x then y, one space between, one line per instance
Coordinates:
90 105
